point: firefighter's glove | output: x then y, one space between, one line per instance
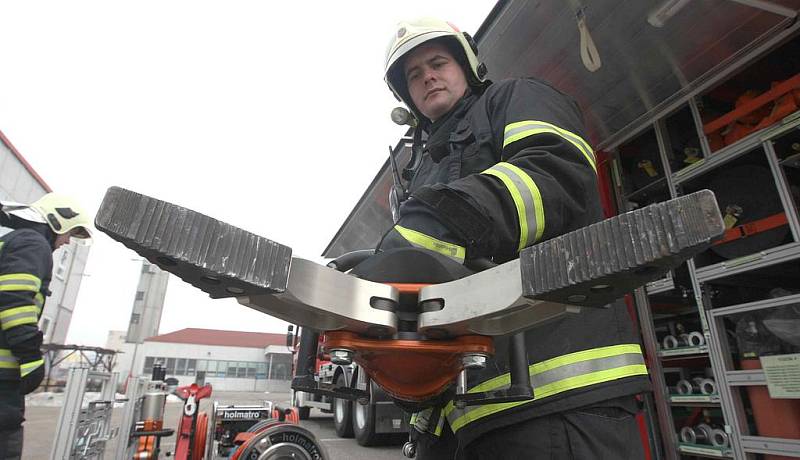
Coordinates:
31 374
419 227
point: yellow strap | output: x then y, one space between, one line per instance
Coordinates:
422 240
527 128
27 368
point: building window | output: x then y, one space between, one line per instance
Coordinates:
190 366
261 370
148 365
139 295
170 366
61 268
180 366
211 369
135 318
44 326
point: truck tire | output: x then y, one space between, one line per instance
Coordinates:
303 412
364 426
342 412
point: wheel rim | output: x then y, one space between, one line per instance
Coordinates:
361 415
338 411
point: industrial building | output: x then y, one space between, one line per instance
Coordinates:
19 182
228 360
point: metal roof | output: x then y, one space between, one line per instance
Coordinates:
216 337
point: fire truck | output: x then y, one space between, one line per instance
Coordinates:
678 96
378 421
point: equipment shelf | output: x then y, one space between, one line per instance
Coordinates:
705 451
694 400
683 351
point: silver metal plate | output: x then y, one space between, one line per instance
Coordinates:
324 299
487 303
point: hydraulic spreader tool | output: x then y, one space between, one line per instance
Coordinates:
414 335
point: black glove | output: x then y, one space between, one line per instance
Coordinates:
419 227
32 374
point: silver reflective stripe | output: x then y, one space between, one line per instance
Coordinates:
527 199
585 367
10 321
8 361
38 299
520 130
19 282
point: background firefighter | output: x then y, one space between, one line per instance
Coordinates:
26 263
506 165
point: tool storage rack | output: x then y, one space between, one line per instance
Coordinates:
675 154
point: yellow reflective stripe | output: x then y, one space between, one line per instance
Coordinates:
422 240
8 360
522 129
13 317
585 355
591 379
557 375
38 299
548 390
20 282
440 423
27 368
527 199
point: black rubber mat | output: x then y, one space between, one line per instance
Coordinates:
218 258
597 264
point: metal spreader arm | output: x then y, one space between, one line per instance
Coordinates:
587 267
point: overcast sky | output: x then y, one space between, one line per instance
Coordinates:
271 116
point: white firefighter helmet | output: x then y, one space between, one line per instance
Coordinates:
62 214
410 34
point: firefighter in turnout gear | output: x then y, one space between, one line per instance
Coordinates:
506 165
26 262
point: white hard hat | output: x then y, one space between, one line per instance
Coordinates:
410 34
62 214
